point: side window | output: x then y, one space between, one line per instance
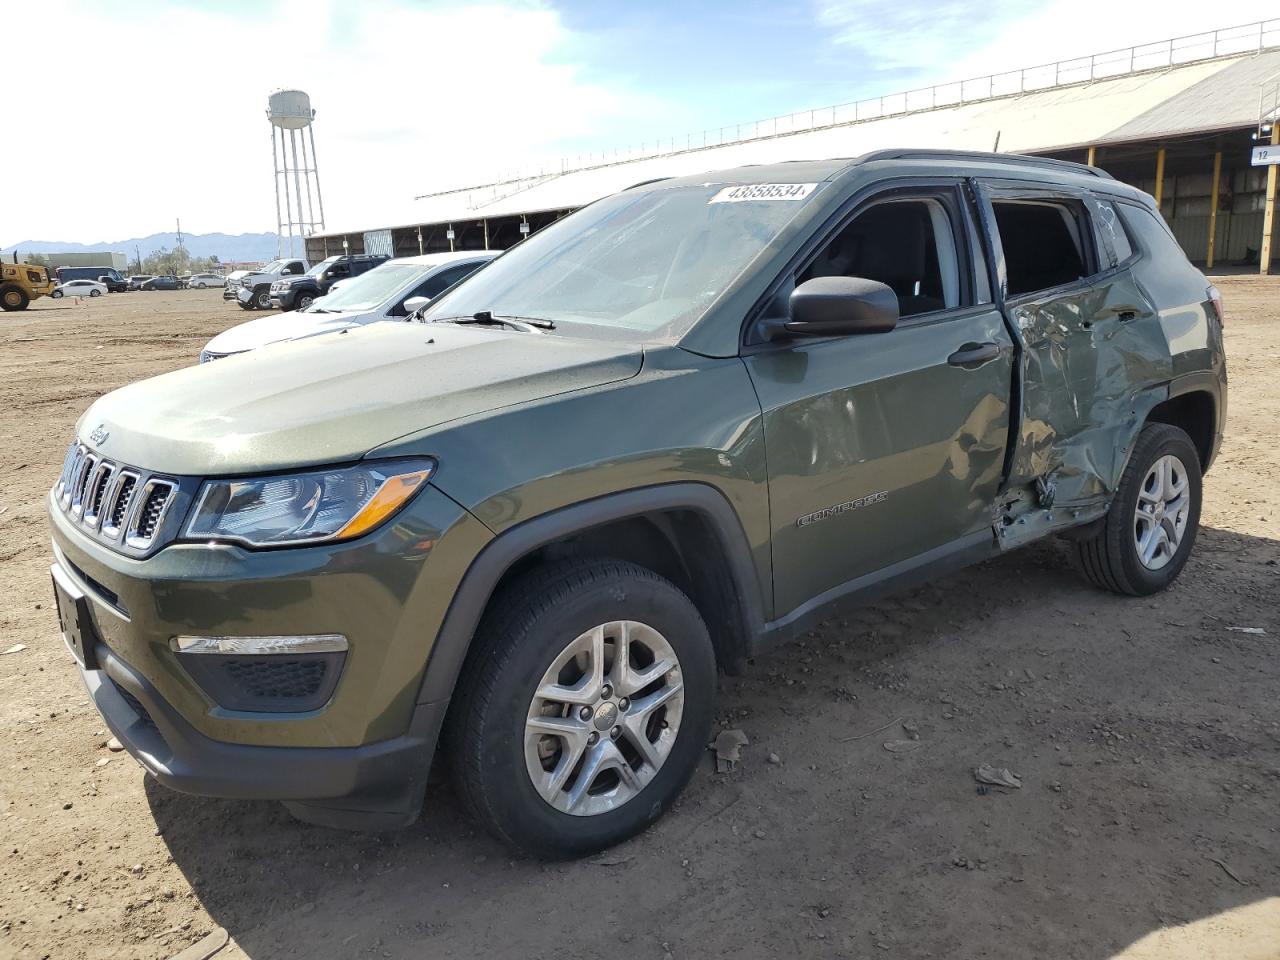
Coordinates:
907 244
339 270
436 284
293 269
1044 245
1111 232
1150 231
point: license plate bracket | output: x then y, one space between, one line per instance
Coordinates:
75 619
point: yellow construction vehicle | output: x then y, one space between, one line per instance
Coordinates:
20 283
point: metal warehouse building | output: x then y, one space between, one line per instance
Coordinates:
1178 118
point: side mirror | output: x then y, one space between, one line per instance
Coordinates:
414 304
841 306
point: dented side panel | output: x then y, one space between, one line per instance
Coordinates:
1094 359
1094 363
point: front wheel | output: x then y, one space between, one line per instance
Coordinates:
304 301
95 293
56 295
1143 543
13 297
262 300
584 707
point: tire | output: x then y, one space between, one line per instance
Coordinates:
245 306
56 295
1112 556
262 300
95 293
304 300
529 627
13 297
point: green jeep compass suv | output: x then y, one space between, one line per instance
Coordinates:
650 441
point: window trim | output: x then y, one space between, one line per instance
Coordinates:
946 190
989 191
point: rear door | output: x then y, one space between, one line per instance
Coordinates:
884 448
1091 341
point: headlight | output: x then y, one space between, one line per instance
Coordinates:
313 507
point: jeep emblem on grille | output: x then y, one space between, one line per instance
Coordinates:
99 435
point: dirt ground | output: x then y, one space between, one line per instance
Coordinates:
1145 733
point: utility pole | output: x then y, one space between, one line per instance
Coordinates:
137 252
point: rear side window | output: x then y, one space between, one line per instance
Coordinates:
1043 243
1111 232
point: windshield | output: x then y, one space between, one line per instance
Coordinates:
321 267
647 262
275 266
370 289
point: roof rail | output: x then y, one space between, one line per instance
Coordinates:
1015 159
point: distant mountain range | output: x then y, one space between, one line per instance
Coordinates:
226 247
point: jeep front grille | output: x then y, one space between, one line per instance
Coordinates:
112 502
146 520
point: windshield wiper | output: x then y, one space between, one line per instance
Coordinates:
489 317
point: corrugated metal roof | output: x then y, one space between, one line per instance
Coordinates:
1207 95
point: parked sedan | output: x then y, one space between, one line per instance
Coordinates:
160 283
392 291
79 288
137 280
202 280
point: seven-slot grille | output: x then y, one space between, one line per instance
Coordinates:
113 502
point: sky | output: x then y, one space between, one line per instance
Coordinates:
145 112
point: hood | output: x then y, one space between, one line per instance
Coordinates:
332 399
237 274
279 327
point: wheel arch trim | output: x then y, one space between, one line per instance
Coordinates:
453 641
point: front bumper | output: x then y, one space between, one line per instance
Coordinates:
368 748
376 786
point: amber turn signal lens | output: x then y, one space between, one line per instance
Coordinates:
390 497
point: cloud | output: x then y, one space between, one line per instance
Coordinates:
157 111
957 40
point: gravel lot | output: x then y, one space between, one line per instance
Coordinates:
1145 733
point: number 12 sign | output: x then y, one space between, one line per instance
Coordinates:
1266 156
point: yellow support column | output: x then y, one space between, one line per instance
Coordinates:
1092 156
1269 214
1213 208
1159 194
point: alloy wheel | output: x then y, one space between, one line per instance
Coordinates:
604 718
1160 518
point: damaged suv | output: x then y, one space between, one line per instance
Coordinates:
657 437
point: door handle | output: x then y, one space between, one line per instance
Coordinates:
972 355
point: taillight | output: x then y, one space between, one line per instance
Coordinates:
1215 297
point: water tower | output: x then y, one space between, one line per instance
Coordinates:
290 112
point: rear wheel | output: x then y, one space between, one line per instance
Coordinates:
1143 542
13 297
584 707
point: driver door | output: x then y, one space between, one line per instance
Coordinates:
886 449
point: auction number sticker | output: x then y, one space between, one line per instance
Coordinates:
763 191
